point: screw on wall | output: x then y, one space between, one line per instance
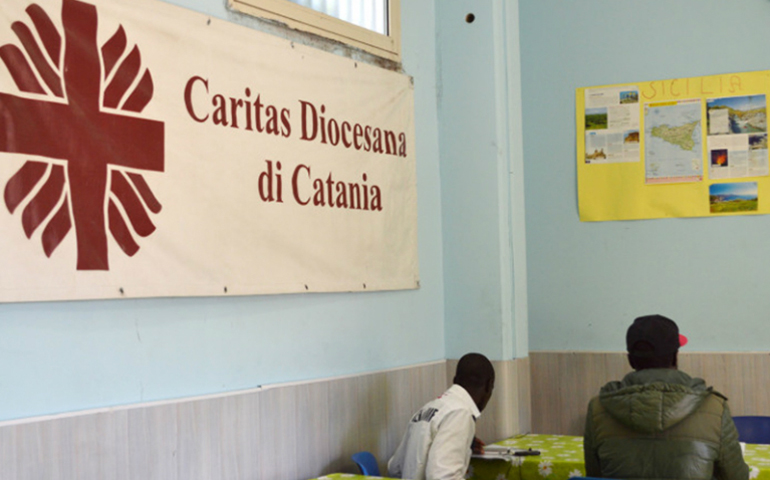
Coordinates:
470 18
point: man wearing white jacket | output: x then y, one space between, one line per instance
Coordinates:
437 443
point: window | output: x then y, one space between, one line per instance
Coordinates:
372 15
371 25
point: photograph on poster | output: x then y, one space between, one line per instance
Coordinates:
733 197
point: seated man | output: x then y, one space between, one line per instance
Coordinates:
658 422
437 443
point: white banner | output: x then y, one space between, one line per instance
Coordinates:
147 150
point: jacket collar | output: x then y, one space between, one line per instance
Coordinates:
465 398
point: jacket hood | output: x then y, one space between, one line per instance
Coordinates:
653 400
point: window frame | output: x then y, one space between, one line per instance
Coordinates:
308 20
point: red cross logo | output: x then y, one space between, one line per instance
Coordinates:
90 175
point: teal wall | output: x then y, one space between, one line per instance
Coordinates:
506 267
587 281
57 357
480 131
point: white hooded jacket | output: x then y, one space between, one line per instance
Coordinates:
437 443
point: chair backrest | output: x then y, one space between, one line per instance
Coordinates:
753 429
367 464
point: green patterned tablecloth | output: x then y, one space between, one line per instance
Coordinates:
561 457
758 459
346 476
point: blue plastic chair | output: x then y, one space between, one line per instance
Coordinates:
367 464
753 429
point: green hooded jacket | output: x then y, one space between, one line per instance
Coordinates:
661 424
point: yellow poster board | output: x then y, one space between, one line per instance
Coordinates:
687 147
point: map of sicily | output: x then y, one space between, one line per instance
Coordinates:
673 144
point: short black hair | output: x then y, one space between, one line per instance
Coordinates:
474 369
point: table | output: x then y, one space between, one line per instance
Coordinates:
347 476
561 457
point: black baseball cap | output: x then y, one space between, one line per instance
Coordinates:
657 331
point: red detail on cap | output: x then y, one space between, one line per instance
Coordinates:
682 340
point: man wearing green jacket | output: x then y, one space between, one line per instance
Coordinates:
658 422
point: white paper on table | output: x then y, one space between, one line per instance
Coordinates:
493 456
498 449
